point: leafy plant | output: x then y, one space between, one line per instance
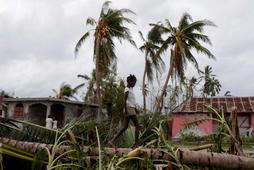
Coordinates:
224 129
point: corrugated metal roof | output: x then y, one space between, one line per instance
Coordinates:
197 104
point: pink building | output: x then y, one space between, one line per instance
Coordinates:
194 108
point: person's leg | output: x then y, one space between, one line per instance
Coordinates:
124 127
134 119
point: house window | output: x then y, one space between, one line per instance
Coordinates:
19 110
244 121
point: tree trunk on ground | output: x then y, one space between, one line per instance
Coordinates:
217 160
163 91
98 77
199 158
143 87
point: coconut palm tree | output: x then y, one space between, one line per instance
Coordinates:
109 25
190 85
153 62
212 85
90 96
66 91
182 40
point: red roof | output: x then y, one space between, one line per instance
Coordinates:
197 104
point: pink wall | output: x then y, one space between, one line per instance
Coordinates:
179 121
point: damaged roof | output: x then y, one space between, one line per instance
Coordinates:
197 104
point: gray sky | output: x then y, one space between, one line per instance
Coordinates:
37 40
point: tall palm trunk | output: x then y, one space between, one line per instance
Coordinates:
143 87
98 77
163 92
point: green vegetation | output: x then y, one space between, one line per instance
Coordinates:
109 25
82 143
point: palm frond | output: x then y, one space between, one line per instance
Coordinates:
199 48
184 21
155 35
105 7
125 10
168 27
55 91
28 132
191 58
90 21
198 26
78 87
141 36
86 77
198 36
164 46
198 122
80 42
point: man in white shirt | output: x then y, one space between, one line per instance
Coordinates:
49 122
129 110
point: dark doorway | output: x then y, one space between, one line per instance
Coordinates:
37 114
57 111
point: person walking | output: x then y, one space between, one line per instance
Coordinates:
130 111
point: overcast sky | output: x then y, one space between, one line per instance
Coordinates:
37 40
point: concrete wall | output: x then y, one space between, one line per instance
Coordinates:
70 111
12 105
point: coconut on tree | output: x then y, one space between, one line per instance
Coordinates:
110 25
153 62
181 40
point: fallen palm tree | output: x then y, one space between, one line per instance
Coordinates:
183 156
65 149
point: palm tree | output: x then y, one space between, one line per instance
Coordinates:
66 91
212 85
153 62
190 85
90 96
109 25
181 40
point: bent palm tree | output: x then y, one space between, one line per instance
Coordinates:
66 91
182 40
109 25
153 62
